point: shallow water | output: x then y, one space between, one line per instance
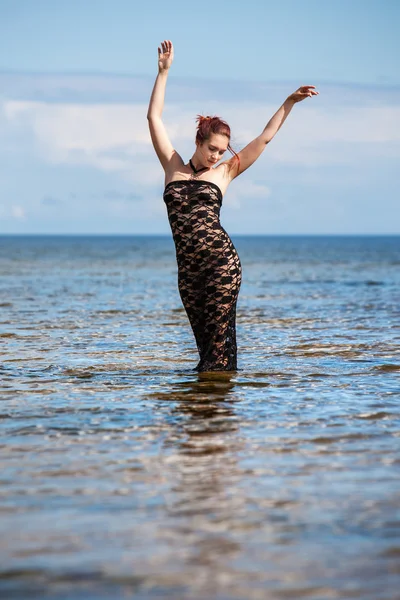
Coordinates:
126 474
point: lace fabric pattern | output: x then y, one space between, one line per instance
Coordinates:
209 270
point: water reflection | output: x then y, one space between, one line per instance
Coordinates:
202 450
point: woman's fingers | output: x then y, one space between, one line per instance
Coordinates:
165 54
166 46
308 89
303 92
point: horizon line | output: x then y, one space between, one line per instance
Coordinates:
231 233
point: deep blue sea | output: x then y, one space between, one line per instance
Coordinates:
125 474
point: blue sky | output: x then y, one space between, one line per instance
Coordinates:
75 78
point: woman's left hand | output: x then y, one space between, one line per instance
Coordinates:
305 91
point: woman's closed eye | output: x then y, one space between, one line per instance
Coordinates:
212 149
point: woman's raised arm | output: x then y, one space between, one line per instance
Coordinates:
252 151
168 157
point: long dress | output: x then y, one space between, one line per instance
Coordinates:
209 270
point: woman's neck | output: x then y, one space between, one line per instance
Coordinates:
196 165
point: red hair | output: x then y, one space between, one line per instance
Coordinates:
206 126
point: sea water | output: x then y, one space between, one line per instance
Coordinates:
124 473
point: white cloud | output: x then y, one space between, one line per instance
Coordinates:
314 136
108 144
245 189
78 134
18 212
115 137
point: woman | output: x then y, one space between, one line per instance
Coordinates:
209 271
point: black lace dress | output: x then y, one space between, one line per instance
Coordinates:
209 270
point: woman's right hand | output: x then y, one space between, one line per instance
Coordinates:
165 55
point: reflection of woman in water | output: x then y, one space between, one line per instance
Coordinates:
209 271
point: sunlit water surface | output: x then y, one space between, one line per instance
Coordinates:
125 474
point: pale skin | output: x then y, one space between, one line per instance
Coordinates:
211 151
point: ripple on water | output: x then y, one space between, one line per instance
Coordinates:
126 474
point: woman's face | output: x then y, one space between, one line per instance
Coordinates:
213 149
